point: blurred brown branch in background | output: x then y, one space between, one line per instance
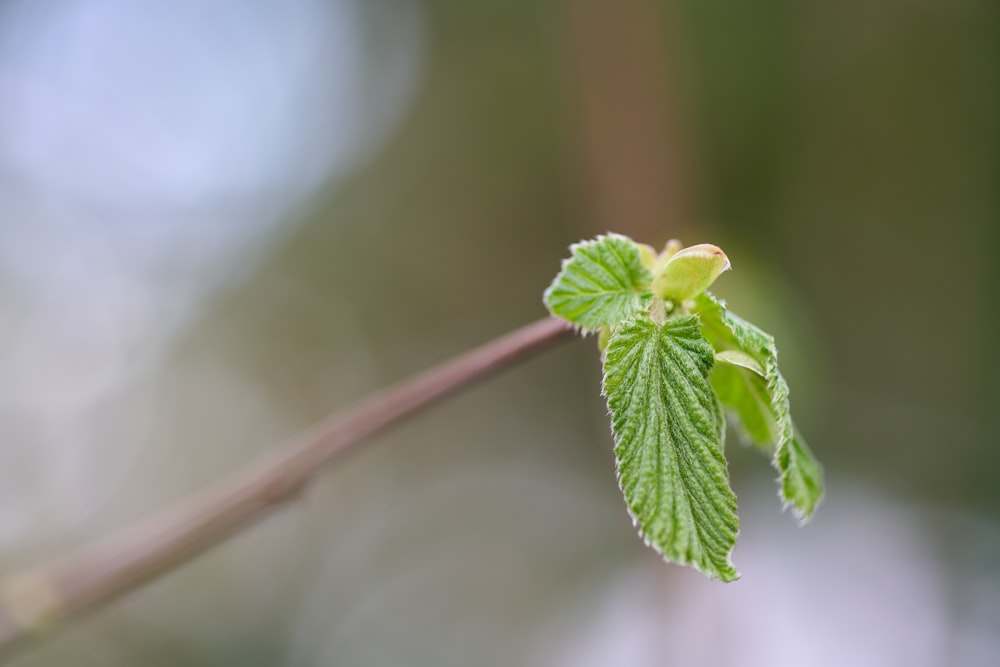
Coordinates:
638 150
32 602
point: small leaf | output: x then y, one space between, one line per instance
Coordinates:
802 484
648 255
669 441
672 247
742 359
603 282
603 336
745 394
761 403
690 272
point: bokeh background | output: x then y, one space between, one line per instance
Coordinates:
220 221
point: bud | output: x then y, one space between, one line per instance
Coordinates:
647 255
690 272
672 247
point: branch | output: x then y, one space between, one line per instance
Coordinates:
34 601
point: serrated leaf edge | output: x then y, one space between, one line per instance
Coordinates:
636 523
777 387
566 261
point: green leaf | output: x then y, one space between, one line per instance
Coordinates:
741 359
669 441
603 282
745 393
802 482
760 401
690 272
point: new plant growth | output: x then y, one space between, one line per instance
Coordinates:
675 362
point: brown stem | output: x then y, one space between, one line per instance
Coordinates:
36 600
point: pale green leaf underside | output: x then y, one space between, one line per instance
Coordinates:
669 434
745 394
761 403
602 283
742 359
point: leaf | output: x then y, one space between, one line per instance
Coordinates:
802 483
669 441
741 359
745 393
690 272
603 282
761 403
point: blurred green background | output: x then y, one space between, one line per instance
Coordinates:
221 221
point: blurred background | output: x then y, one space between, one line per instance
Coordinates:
220 221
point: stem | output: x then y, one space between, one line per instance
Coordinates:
34 601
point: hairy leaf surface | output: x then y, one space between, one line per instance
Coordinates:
761 401
669 441
603 282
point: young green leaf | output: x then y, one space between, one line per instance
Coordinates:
745 394
603 282
669 441
760 400
801 475
741 359
690 272
802 482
